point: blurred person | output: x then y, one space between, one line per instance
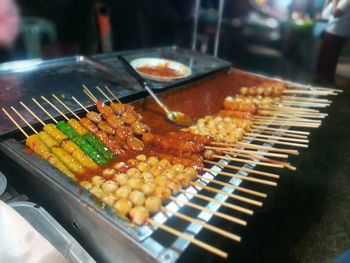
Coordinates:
9 26
336 34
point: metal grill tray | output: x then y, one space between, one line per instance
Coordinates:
97 222
200 64
47 226
22 80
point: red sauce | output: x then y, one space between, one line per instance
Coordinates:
197 100
159 71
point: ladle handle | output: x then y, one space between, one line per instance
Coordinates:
144 83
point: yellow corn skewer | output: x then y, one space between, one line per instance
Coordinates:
77 127
68 160
35 143
78 154
54 132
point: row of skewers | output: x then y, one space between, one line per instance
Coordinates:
166 165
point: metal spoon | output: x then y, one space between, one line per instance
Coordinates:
174 116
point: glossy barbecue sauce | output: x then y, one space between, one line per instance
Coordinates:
159 71
197 100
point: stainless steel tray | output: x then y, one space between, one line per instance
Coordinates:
47 226
200 64
22 80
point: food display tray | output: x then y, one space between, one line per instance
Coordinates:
200 64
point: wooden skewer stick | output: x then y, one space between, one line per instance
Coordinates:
237 168
275 137
304 103
286 98
226 149
214 190
254 157
282 130
259 147
66 107
238 197
81 105
44 110
218 214
228 205
290 124
15 123
308 87
53 106
188 238
104 94
113 95
290 109
245 178
279 133
249 161
277 142
238 188
23 119
33 114
309 105
203 224
91 94
232 175
312 92
292 116
287 119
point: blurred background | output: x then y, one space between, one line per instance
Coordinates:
271 36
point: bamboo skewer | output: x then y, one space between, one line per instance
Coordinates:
277 132
282 130
53 106
32 113
286 98
188 238
218 214
246 178
23 119
254 157
228 205
203 224
276 142
286 118
267 164
290 124
275 137
291 116
113 95
81 105
66 107
44 110
90 96
238 188
214 190
226 149
15 123
237 168
89 93
259 147
290 109
309 92
104 94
